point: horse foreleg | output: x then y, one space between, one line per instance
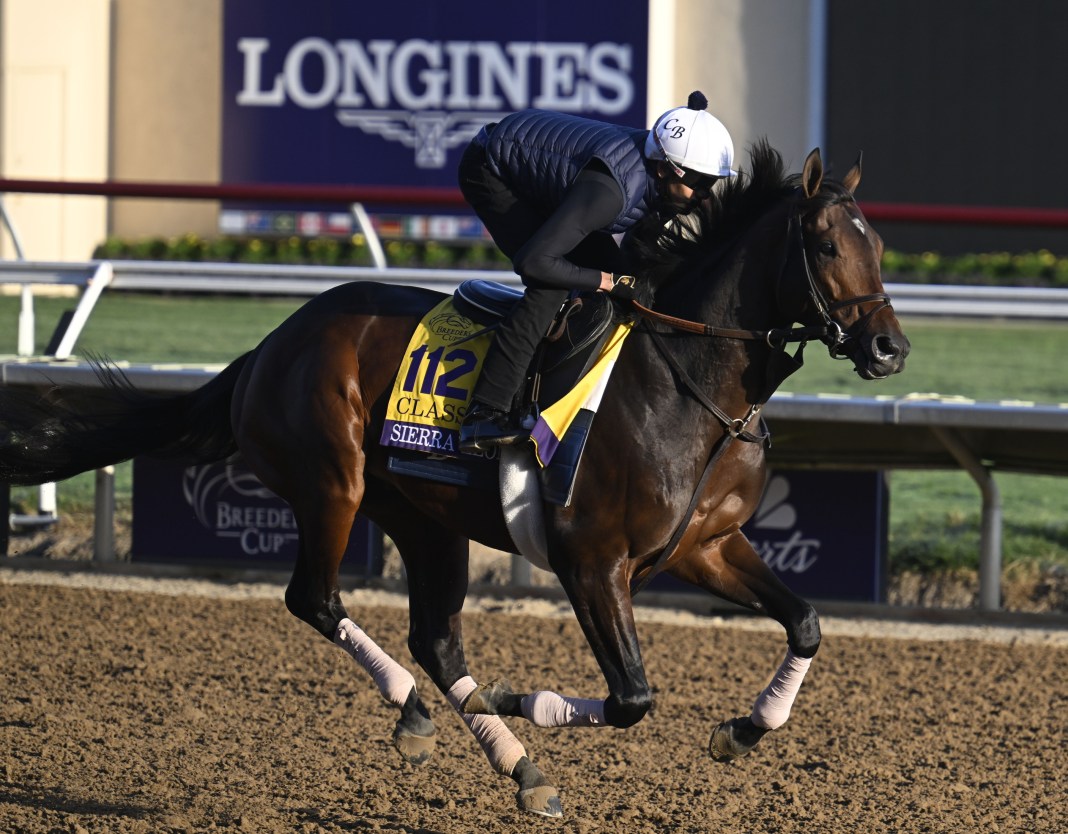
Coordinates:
436 562
731 569
543 708
602 605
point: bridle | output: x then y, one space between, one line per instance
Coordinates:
841 342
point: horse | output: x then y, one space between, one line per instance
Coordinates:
674 462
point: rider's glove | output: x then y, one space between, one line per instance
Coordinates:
624 287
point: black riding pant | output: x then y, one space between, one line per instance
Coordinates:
512 222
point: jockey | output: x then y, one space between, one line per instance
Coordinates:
553 189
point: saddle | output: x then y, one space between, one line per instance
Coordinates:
568 350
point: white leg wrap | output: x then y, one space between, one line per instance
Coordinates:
393 680
501 747
547 709
772 706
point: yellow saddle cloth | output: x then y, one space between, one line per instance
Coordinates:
433 387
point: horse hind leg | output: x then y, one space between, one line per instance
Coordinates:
731 569
299 421
436 562
313 596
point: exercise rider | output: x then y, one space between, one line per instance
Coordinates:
553 189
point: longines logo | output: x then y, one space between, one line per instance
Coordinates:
432 96
791 553
229 501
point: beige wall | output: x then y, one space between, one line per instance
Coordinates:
54 90
167 94
750 57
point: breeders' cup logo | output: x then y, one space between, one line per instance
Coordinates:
434 95
791 553
233 504
450 327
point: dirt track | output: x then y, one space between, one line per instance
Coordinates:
126 711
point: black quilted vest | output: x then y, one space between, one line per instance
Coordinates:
539 153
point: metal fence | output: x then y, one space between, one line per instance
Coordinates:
307 281
906 429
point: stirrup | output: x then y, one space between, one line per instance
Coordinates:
481 432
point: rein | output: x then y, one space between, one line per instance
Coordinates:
830 332
775 338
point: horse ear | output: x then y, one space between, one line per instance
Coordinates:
812 173
852 178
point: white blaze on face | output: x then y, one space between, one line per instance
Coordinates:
859 225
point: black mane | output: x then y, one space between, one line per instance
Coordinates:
657 252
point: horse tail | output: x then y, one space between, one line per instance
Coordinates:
54 434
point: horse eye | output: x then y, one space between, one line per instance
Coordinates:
826 248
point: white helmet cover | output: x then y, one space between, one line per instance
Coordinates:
692 138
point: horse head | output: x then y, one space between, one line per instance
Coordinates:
842 288
769 250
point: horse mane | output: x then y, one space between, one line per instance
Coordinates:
658 251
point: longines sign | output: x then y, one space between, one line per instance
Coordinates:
327 91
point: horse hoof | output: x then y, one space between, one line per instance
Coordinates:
544 801
726 745
414 749
485 698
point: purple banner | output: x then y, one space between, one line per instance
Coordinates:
324 91
221 514
824 534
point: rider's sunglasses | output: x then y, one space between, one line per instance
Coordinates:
701 184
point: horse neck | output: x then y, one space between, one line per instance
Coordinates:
738 289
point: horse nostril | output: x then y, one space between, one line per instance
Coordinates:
885 349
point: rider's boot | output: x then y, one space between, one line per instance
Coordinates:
485 427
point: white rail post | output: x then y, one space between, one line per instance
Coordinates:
100 278
990 523
26 322
520 571
104 516
46 500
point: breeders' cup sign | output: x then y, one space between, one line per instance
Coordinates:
221 514
327 91
824 533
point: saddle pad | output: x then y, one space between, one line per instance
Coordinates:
553 423
434 382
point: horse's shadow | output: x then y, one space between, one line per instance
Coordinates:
53 798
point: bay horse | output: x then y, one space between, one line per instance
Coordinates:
673 466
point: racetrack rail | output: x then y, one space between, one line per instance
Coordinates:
837 617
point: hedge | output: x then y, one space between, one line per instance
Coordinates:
1041 268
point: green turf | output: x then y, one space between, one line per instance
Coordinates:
978 360
934 515
157 328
